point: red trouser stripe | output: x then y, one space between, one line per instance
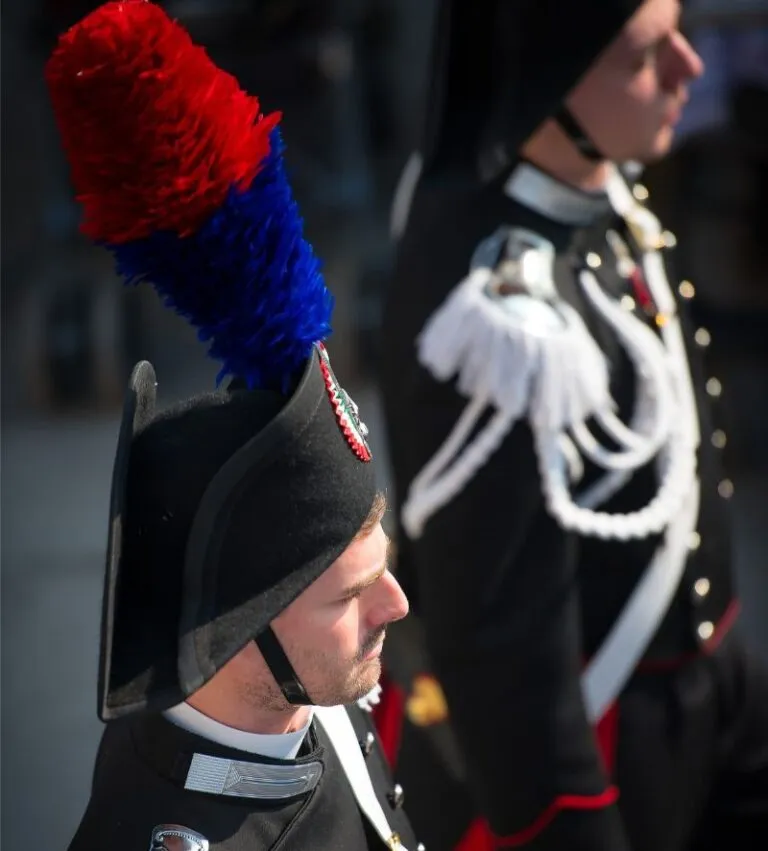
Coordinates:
388 717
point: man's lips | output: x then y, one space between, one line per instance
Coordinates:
375 651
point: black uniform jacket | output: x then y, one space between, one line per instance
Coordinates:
512 606
139 778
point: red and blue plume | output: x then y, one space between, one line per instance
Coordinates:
182 178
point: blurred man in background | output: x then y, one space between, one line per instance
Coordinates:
564 531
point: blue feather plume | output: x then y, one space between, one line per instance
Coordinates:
247 280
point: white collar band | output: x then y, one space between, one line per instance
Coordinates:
554 199
275 746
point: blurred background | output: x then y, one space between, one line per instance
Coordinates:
349 76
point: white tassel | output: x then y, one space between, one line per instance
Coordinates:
373 698
522 355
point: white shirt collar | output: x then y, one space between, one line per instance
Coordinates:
554 199
275 746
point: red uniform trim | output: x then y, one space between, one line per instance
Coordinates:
607 731
478 837
722 629
388 715
723 626
562 802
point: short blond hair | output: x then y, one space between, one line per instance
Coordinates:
375 516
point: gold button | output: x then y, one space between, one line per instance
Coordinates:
593 260
725 489
719 438
701 587
668 239
627 302
686 289
706 630
702 337
393 843
694 542
714 387
640 192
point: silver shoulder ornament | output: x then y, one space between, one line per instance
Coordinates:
512 345
509 339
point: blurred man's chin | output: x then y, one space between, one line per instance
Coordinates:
659 148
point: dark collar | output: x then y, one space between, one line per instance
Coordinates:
196 764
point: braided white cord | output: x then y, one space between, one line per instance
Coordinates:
541 362
572 457
648 355
440 481
613 481
672 334
452 444
471 339
605 487
429 498
623 202
435 486
678 463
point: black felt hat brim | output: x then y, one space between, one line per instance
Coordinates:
138 411
236 505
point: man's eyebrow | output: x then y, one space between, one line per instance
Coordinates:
359 587
658 34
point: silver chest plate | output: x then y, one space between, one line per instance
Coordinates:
176 837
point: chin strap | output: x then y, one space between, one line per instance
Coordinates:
576 133
281 668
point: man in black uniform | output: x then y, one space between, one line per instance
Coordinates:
563 536
247 590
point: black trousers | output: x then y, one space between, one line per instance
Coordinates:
692 755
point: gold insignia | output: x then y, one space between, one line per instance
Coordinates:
426 704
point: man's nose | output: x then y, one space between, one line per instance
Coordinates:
685 64
391 603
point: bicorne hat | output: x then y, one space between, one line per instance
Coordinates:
226 506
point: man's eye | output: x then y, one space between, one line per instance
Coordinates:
650 55
646 59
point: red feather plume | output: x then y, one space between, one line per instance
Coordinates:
156 135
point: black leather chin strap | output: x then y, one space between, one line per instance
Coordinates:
576 133
281 668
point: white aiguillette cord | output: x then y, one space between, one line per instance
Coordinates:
338 727
614 662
